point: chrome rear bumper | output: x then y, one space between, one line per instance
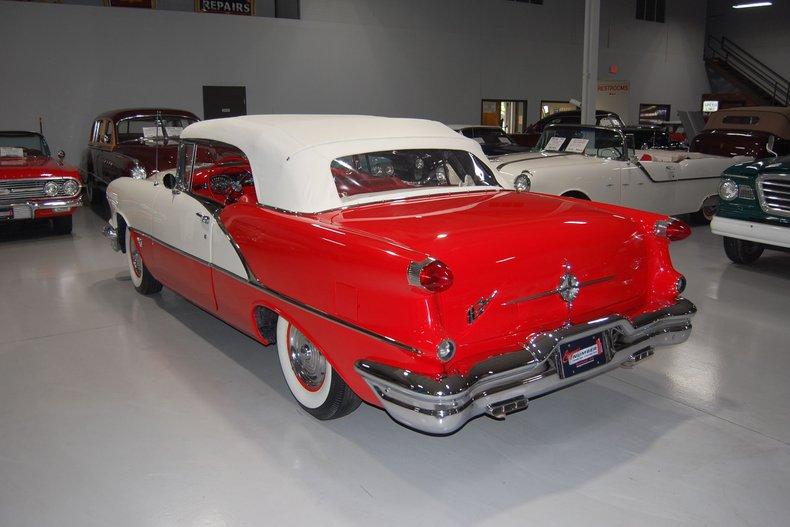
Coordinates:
507 382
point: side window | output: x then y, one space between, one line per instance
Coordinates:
219 172
107 134
95 130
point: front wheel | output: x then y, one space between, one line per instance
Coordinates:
310 377
142 279
742 251
91 195
704 215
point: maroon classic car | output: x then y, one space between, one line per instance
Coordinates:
131 143
757 131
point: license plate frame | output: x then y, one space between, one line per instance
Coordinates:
582 354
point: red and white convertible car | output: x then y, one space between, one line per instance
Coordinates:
387 265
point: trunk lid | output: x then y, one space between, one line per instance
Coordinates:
508 253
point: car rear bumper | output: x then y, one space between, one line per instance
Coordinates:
507 382
26 210
769 234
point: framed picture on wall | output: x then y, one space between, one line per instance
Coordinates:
654 113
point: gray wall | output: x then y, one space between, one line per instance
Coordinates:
764 32
434 59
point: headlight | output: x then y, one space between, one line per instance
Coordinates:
728 190
522 183
71 187
51 188
138 172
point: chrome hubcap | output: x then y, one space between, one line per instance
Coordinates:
307 362
137 262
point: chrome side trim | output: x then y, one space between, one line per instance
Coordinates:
556 291
443 405
290 300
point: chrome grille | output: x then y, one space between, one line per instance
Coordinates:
14 190
774 193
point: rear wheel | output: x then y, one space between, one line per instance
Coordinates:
312 381
62 224
742 251
142 279
576 194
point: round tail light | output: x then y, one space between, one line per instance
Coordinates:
430 274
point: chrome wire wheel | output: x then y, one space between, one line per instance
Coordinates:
307 361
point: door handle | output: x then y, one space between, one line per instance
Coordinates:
203 217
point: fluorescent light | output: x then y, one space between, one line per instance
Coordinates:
752 4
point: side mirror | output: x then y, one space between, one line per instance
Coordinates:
170 181
61 154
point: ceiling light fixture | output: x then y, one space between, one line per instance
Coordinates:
752 4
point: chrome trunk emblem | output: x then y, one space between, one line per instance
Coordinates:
569 285
479 307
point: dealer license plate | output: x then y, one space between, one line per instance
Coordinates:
583 354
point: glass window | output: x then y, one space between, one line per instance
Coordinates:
95 130
107 133
403 170
23 145
218 171
151 129
493 136
740 119
588 140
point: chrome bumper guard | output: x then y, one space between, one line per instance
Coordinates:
505 383
111 234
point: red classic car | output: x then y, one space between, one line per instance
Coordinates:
33 186
131 143
387 265
756 131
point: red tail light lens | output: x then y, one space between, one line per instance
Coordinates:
431 275
673 229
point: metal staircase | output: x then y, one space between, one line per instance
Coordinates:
746 73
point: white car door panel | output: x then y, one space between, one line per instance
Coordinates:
223 253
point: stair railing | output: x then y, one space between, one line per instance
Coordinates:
772 85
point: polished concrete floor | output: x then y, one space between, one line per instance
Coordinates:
122 410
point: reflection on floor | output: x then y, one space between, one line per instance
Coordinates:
117 409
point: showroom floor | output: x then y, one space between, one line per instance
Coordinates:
118 409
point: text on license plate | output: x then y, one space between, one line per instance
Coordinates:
583 354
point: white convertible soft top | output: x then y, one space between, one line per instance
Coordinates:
290 155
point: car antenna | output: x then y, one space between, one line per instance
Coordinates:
40 125
159 128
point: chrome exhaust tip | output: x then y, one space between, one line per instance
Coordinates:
639 356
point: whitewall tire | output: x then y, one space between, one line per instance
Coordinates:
142 279
310 377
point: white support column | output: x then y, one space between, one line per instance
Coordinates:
592 24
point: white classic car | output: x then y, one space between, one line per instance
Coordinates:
595 163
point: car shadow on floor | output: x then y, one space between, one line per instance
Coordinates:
579 433
24 230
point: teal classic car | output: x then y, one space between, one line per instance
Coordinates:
754 211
